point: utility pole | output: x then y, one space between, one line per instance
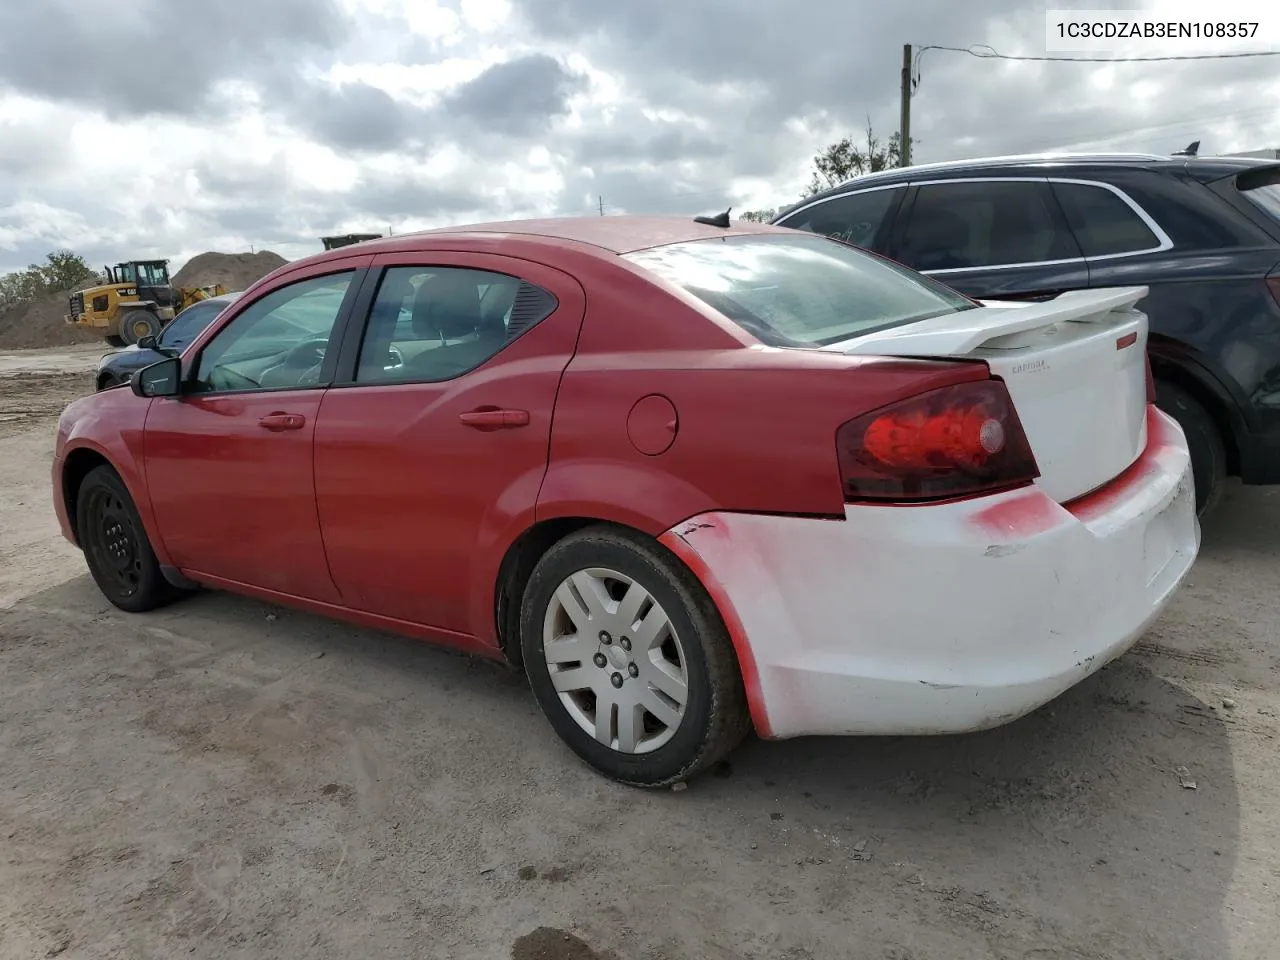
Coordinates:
600 197
904 122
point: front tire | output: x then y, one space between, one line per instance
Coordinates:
1208 452
116 547
136 324
629 659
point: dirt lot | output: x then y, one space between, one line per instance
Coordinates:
228 780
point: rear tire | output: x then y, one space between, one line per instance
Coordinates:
116 547
632 633
136 324
1208 451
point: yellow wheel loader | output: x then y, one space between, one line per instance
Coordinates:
137 300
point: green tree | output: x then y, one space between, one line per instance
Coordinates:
62 270
844 160
66 270
758 216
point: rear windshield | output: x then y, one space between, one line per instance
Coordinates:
802 290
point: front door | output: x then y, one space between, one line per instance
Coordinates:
435 451
229 462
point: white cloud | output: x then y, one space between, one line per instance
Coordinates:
402 114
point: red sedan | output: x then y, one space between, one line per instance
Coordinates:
690 478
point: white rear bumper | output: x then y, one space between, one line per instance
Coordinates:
945 618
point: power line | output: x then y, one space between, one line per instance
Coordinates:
985 51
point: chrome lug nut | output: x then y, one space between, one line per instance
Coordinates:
605 638
599 660
633 670
626 643
616 679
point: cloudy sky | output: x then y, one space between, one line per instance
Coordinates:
168 127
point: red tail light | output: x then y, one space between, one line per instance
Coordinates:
956 441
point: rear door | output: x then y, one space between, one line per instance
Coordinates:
989 238
430 455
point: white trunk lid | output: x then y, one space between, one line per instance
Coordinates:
1075 367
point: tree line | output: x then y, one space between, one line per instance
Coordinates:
841 161
63 270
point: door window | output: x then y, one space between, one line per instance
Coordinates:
278 342
1103 223
985 223
435 323
854 218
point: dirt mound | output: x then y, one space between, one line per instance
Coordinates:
235 271
40 324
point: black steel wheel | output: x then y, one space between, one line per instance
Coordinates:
115 544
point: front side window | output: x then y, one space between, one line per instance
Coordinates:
277 342
854 218
1103 223
800 291
985 223
435 323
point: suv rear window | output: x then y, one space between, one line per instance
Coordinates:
1104 224
800 291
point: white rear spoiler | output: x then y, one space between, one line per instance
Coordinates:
957 334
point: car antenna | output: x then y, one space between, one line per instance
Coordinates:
719 220
1189 151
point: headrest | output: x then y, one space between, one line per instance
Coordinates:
447 305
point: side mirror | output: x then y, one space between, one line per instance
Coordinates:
147 343
161 379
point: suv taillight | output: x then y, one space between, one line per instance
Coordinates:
956 441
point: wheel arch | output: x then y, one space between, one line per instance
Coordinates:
75 467
84 457
1167 364
525 552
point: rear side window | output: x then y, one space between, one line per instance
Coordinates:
854 218
985 223
1104 224
800 291
430 324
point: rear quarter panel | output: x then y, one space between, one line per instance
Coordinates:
754 426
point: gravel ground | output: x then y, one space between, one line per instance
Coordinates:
225 779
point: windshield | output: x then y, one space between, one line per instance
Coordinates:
153 275
190 323
800 291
